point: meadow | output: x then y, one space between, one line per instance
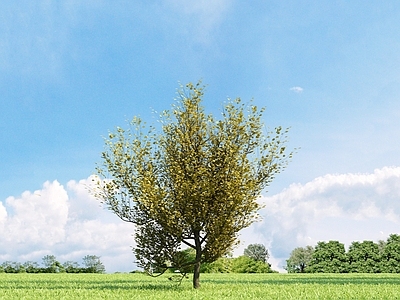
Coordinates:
213 286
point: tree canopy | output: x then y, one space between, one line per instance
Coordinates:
93 264
390 261
329 257
257 252
194 183
246 264
364 257
299 259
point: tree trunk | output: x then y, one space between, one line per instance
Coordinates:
196 271
196 275
302 267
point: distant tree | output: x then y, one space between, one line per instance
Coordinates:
11 267
183 260
390 262
221 265
381 246
31 267
299 259
51 265
93 264
364 257
22 269
329 257
72 267
49 261
246 264
195 184
257 252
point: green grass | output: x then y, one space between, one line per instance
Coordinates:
214 286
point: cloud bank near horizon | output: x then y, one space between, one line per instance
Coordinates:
344 207
69 223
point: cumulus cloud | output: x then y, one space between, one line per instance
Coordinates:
67 222
30 213
345 207
297 89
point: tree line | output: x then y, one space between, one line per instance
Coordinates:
361 257
91 264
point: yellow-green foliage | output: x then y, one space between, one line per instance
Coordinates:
195 183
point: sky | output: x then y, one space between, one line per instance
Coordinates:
70 71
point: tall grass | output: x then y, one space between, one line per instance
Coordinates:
214 286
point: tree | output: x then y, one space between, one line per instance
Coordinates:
246 264
364 257
328 257
49 261
11 267
258 252
221 265
299 259
196 183
31 267
51 265
93 264
381 246
390 262
72 267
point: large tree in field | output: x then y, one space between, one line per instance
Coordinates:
194 183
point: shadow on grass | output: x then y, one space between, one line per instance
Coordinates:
335 279
132 285
139 283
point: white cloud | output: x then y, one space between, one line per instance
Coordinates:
33 212
3 214
67 222
297 89
345 207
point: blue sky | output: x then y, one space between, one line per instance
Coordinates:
72 70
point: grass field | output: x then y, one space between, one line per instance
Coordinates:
214 286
